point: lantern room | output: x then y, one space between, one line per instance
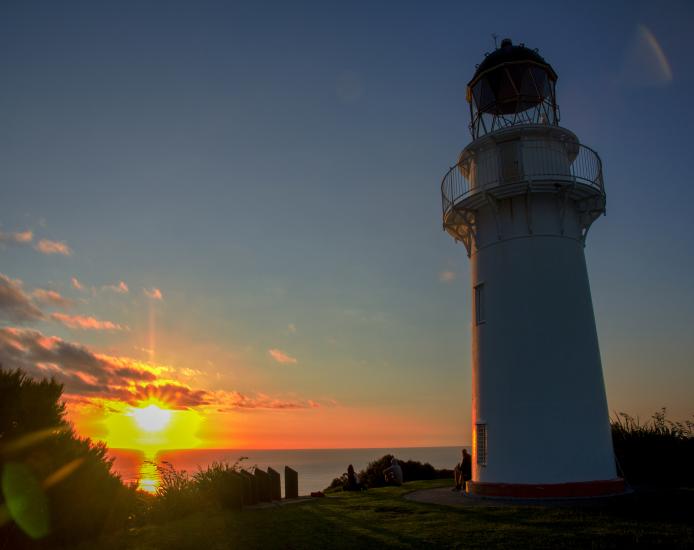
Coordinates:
513 85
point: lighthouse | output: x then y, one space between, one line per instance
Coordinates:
521 199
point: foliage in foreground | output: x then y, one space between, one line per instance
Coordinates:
657 452
180 494
56 487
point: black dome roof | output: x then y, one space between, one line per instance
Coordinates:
509 53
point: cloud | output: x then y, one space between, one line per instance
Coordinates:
84 322
447 276
71 364
282 357
46 246
74 365
15 304
234 400
120 288
51 298
19 237
90 377
174 394
76 284
153 293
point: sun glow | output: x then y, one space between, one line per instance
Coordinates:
152 418
151 427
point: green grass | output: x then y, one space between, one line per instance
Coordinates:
382 517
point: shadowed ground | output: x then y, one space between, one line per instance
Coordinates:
386 517
446 497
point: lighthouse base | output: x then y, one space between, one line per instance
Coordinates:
582 489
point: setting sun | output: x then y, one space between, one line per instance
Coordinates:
151 418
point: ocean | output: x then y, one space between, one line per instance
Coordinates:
316 467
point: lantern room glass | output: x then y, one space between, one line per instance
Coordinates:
511 93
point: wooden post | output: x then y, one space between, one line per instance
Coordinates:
234 491
252 490
263 481
246 488
291 483
275 484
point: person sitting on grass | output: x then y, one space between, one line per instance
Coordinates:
352 482
393 473
463 471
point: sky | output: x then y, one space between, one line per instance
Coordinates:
232 210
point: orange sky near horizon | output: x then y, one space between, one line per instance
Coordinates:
332 426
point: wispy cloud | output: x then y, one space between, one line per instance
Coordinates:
89 377
46 246
51 298
447 276
234 400
282 357
76 284
18 237
15 304
85 322
81 370
153 293
120 288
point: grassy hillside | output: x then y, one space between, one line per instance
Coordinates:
382 517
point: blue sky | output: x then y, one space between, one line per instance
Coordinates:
274 170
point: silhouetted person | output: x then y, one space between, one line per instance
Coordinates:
393 473
463 471
352 483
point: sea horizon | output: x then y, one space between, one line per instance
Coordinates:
316 467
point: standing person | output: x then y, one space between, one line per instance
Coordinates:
393 473
352 483
463 471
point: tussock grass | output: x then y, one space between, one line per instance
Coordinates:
657 452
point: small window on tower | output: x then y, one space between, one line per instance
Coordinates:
479 303
481 443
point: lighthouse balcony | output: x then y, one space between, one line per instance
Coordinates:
517 162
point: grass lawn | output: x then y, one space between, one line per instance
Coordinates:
382 517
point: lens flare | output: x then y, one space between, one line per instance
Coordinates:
25 499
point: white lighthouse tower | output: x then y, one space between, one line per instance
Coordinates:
521 198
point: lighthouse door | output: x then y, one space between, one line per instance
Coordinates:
510 161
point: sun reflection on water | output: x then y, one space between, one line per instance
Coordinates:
148 477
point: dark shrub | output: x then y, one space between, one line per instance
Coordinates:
372 475
67 480
177 494
180 494
221 484
658 452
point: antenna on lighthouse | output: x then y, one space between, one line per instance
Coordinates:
521 199
495 36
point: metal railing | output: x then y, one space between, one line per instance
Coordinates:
521 161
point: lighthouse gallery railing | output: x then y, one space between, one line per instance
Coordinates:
521 161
